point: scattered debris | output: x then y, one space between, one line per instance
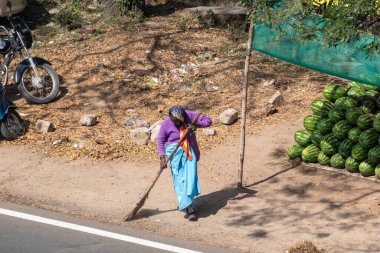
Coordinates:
305 247
79 145
269 83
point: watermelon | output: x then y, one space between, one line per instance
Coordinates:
376 124
329 144
359 152
368 106
325 126
354 134
366 169
371 94
356 92
302 137
351 102
352 165
368 87
336 115
311 122
295 151
365 121
355 84
329 91
323 159
345 148
340 92
340 103
310 154
369 138
321 107
377 171
316 138
337 161
374 155
341 129
353 114
378 102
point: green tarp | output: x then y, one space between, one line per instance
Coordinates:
349 61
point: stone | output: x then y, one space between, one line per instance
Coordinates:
155 130
43 126
268 109
277 99
88 120
135 121
209 131
140 135
53 11
228 117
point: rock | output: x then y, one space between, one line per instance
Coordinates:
140 135
88 120
209 131
53 11
228 117
155 130
51 24
37 44
43 126
135 121
23 115
268 109
277 99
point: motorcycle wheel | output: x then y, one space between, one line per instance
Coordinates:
33 94
12 126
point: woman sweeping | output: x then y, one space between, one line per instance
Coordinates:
184 161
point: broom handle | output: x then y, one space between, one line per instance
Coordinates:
142 201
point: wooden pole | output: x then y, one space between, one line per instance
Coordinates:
244 104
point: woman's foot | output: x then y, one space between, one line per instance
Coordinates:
191 214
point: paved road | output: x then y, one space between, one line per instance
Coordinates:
25 229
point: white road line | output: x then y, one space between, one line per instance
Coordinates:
95 231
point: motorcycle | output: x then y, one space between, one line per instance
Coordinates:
11 124
35 78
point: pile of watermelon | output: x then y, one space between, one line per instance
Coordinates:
344 130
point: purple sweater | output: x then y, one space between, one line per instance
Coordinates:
169 133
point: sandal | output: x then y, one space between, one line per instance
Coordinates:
191 214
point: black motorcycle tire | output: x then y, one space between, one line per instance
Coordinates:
12 126
40 100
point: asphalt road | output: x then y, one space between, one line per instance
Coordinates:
25 229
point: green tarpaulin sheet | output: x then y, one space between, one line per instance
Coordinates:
346 60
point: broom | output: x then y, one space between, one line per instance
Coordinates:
140 204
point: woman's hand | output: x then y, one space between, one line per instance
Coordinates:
163 164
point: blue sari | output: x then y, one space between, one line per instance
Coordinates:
185 177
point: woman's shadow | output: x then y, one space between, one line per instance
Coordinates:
211 203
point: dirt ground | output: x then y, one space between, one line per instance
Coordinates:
95 62
281 205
